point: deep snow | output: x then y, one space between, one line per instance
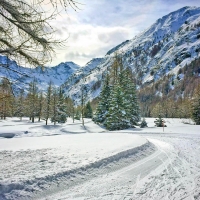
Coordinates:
73 162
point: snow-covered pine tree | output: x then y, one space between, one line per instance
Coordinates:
54 117
40 105
47 106
77 114
115 119
19 105
83 101
61 108
88 110
131 105
160 121
32 99
143 123
103 105
196 107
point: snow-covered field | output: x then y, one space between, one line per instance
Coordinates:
70 161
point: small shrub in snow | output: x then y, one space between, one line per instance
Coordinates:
143 123
160 122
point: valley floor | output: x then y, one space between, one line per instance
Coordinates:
70 161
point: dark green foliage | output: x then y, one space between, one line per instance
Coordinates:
118 107
130 101
77 115
47 107
20 105
159 122
88 111
103 106
33 97
116 117
61 108
143 123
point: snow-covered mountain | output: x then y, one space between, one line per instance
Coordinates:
162 49
21 76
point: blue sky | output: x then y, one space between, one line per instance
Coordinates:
99 25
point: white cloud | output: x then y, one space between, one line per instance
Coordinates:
100 25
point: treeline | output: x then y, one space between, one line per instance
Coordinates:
173 95
51 104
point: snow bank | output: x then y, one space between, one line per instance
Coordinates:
174 126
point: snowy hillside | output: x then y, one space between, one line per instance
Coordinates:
20 76
164 48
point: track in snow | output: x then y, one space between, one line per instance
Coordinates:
171 172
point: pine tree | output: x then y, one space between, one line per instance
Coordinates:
32 98
159 121
61 108
118 107
83 100
143 123
19 106
48 102
54 117
77 114
103 106
130 103
115 119
40 106
88 111
196 107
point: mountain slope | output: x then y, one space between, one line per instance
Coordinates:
168 45
21 76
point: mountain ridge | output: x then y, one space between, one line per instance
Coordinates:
162 49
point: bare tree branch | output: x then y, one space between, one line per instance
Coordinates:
26 35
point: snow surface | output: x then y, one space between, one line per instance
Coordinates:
68 161
38 153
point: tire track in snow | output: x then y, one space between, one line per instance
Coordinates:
102 169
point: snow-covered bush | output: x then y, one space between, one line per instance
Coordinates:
160 122
143 123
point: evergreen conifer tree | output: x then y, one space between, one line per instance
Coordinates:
32 99
118 107
115 119
19 110
143 123
103 106
54 117
61 108
47 107
88 110
40 106
159 121
77 115
131 102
